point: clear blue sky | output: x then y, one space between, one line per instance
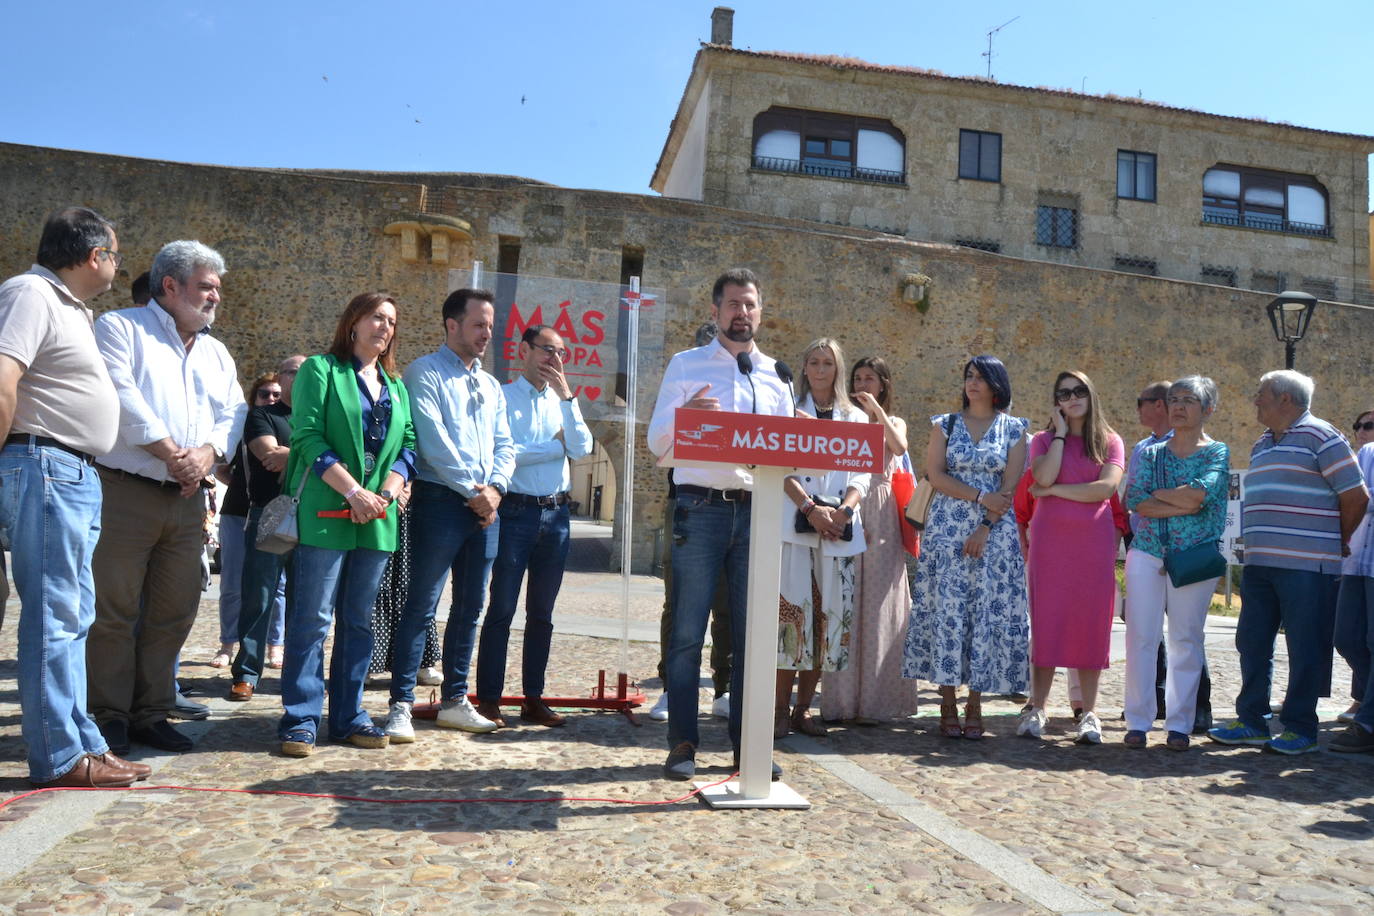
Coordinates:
439 86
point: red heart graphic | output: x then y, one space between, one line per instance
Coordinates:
591 393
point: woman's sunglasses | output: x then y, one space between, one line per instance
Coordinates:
1365 427
1067 394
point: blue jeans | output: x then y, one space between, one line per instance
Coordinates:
262 582
329 584
230 576
50 507
535 539
446 538
1355 640
709 537
1303 604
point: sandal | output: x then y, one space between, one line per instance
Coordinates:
949 721
1135 739
973 721
1177 741
806 724
782 725
275 656
224 656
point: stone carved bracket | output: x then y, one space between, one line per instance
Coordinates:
450 238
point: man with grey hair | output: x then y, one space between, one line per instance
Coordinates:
1304 497
180 406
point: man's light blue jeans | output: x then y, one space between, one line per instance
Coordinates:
50 507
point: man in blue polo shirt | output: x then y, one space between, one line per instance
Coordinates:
1304 497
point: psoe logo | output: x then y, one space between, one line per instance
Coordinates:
699 434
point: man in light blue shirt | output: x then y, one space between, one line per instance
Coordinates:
464 462
548 429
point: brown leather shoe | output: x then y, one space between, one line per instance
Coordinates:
538 712
140 770
90 772
489 709
241 692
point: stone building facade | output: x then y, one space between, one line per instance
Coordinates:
300 244
1053 175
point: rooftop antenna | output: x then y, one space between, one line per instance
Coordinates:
988 52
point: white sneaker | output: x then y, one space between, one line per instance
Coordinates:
398 727
1089 729
429 677
1032 723
720 706
460 714
660 711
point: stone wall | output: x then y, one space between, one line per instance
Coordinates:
1062 143
299 245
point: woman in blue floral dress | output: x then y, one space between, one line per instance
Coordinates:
969 622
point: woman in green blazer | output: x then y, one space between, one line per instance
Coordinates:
353 444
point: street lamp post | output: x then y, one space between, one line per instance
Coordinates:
1289 314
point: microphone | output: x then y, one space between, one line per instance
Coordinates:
783 372
745 368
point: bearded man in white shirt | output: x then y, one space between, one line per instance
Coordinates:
711 519
180 406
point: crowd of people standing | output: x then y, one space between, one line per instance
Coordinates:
114 428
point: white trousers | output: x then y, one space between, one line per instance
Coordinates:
1149 593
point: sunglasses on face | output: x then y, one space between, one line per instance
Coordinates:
1068 394
1364 427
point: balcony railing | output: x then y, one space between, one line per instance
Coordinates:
838 170
1266 223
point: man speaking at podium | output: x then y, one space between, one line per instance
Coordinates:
711 523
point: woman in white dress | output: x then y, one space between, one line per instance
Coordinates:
816 607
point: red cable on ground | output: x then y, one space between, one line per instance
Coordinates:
379 801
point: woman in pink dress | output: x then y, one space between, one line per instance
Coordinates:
1076 463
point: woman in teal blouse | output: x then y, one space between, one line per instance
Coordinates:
1179 489
353 444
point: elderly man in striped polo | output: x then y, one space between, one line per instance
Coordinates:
1304 497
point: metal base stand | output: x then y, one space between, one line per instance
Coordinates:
730 795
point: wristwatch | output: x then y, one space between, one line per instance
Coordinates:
848 511
499 488
387 495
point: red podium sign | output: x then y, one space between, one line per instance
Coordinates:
745 438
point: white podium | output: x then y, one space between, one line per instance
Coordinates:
773 448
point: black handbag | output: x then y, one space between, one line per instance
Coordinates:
1191 564
803 525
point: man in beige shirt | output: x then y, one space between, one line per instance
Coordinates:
58 409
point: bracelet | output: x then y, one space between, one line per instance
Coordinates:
1058 438
979 498
352 493
807 508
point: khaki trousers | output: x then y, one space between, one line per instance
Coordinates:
147 592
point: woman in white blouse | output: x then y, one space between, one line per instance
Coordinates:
816 606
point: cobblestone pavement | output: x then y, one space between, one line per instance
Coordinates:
901 820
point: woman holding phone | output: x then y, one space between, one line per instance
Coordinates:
1076 463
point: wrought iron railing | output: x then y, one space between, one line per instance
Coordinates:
1266 223
838 170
